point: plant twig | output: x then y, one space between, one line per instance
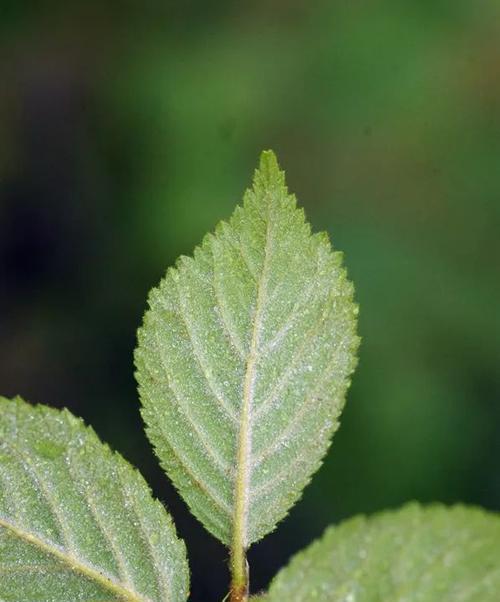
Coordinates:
239 576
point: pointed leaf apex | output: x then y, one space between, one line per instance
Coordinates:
268 174
268 162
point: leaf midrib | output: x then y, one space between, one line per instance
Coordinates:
74 564
240 533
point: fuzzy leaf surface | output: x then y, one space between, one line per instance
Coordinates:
77 522
430 554
243 362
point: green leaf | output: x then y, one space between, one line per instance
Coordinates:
433 554
77 522
244 360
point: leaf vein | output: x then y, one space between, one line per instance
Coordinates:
224 317
73 562
45 491
228 410
116 552
243 479
162 580
297 358
295 312
219 502
223 466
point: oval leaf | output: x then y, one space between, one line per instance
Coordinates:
433 554
77 522
243 362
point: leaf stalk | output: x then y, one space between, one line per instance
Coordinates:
239 576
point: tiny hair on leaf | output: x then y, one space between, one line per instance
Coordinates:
77 522
414 554
243 362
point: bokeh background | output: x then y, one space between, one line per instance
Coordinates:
128 129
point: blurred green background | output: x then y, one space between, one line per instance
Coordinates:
127 130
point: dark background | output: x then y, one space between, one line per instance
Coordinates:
128 129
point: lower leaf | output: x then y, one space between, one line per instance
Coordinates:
432 554
77 522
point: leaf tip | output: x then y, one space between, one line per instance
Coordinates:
268 160
269 174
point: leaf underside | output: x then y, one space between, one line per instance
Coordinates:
244 359
77 522
431 554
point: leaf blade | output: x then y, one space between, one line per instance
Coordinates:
415 554
259 326
77 517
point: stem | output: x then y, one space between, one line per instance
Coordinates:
239 576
